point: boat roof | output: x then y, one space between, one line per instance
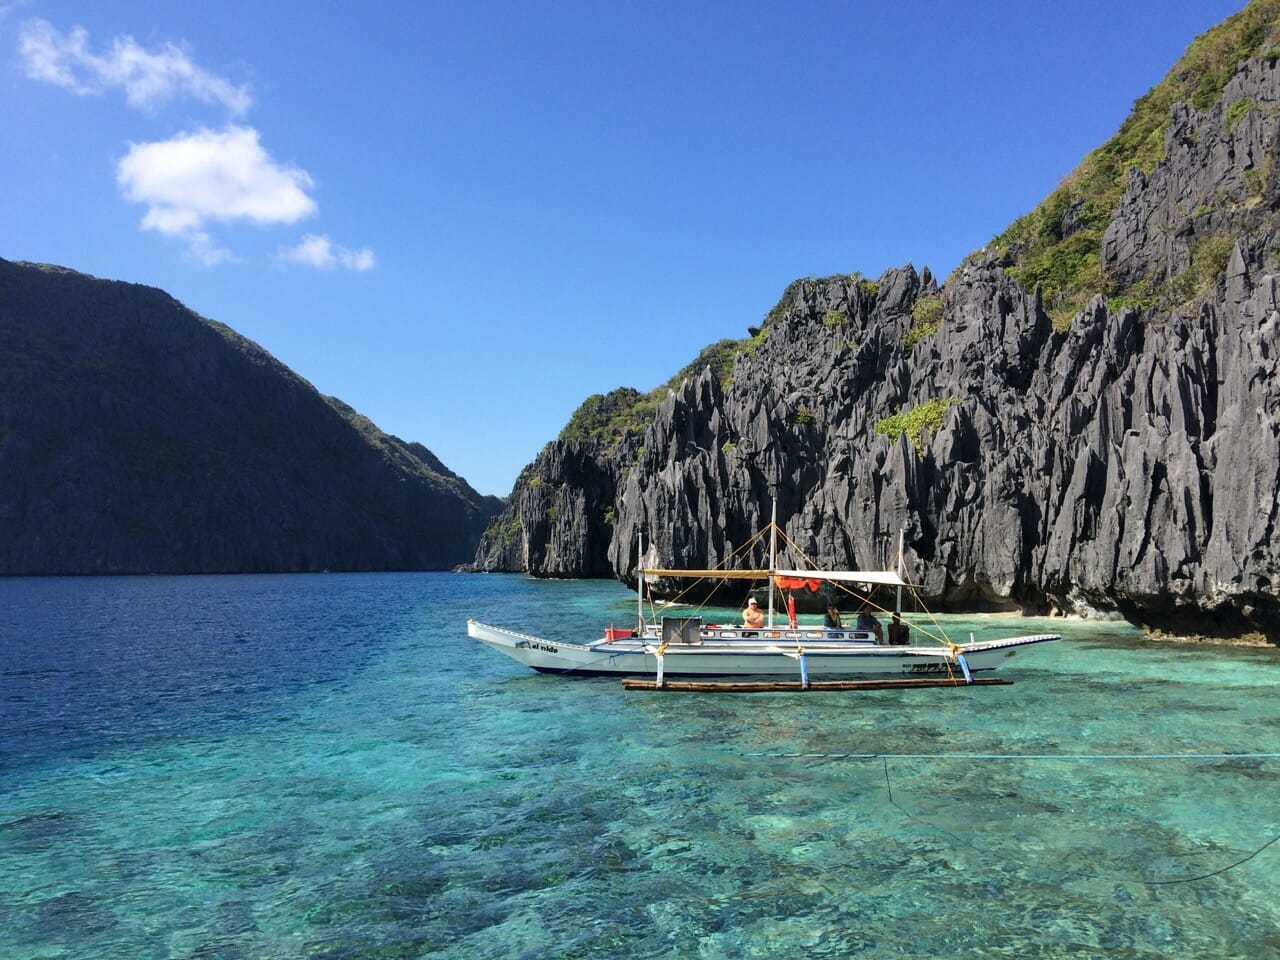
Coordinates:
883 577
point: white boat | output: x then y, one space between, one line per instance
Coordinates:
687 647
684 647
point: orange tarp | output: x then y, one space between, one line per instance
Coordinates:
798 583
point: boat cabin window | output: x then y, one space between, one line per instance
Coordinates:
681 629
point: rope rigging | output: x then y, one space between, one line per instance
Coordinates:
869 600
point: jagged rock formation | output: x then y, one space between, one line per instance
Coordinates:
137 437
555 522
1126 460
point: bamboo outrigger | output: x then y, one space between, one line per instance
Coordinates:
797 686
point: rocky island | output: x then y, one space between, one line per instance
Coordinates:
1083 417
139 437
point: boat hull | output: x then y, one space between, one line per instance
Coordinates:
775 656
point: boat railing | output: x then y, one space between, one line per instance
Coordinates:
811 634
692 631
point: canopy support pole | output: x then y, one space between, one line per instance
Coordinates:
901 570
773 554
640 583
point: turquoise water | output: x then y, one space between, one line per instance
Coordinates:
325 766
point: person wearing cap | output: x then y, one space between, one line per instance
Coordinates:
753 616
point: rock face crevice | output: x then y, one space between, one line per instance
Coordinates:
1128 463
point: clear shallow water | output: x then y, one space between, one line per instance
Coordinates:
325 766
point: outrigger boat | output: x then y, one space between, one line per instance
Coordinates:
689 648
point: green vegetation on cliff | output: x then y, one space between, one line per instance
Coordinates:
604 418
719 357
916 421
926 318
1058 244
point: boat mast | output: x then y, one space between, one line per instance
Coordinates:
901 570
640 582
773 553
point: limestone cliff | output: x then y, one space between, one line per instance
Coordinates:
1103 436
137 437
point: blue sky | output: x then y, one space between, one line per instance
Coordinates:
463 218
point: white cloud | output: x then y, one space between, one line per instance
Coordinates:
212 175
318 251
8 8
148 77
202 250
194 179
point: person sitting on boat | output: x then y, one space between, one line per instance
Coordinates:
899 632
832 620
753 616
868 621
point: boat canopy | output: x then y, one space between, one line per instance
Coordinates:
882 577
718 574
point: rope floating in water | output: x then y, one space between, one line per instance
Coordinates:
884 758
1020 756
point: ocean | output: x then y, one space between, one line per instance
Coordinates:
327 767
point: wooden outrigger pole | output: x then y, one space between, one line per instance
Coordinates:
799 686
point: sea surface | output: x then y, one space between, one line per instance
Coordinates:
327 767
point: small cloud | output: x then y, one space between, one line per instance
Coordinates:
318 251
8 8
148 77
203 251
212 175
